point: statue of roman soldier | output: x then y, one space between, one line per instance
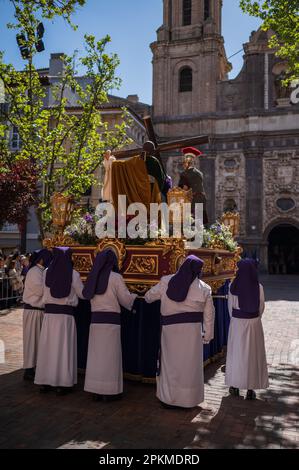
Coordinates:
192 178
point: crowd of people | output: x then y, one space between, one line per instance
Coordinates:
13 270
53 289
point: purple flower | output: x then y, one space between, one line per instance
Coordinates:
88 218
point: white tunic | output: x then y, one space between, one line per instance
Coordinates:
104 372
32 319
246 363
57 354
181 380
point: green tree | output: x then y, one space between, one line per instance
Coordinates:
65 147
281 16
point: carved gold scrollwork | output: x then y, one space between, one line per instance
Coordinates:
145 264
217 264
82 262
207 267
174 246
177 256
116 245
228 264
237 258
216 284
139 289
179 195
58 240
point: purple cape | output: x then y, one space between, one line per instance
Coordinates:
59 275
246 286
98 278
39 255
180 283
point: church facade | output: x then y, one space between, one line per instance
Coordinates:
252 161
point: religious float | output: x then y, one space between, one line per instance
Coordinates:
142 263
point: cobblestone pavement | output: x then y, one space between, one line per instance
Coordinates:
31 420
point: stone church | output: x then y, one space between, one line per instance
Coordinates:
252 161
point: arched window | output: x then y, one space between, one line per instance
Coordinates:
187 12
185 79
207 9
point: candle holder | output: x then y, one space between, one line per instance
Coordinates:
232 220
62 209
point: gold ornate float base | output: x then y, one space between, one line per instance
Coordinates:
143 265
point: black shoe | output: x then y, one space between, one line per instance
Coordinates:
107 398
235 392
61 391
45 389
251 395
29 374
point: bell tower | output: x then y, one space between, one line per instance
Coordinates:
188 60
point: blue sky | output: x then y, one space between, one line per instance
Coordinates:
132 25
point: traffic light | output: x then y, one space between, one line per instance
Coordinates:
21 40
39 46
40 31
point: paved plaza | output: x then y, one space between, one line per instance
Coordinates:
31 420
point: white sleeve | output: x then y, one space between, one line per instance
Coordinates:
124 296
208 318
33 288
78 284
230 303
33 285
154 293
108 163
262 300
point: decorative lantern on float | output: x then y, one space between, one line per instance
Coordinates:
62 208
232 220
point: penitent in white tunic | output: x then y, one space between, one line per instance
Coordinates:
57 354
246 363
181 380
32 319
104 372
